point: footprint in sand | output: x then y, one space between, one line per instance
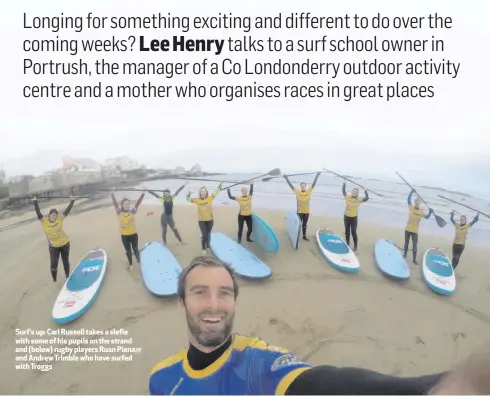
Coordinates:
72 389
457 335
283 326
130 319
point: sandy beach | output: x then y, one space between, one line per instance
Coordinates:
319 313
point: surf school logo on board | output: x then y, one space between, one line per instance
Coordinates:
443 263
345 261
441 281
334 241
266 240
69 304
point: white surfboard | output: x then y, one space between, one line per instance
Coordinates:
438 272
81 288
336 252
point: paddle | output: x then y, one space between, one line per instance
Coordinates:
64 197
266 179
440 221
466 206
202 179
129 189
353 182
273 172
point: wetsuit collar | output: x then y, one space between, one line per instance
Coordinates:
199 360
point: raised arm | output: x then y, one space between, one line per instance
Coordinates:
409 199
344 193
289 183
114 202
36 208
188 197
428 214
316 179
154 194
475 220
66 212
178 191
215 194
251 191
229 195
366 196
138 202
451 218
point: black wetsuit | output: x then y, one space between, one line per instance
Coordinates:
330 380
131 242
167 217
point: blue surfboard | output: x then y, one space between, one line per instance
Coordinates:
336 252
159 269
263 235
390 260
243 262
81 288
293 228
437 272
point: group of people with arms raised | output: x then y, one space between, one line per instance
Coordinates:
59 244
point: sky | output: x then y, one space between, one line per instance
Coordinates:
448 135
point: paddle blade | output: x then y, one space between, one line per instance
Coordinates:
440 221
266 179
275 172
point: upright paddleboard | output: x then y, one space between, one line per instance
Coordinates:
389 260
438 272
335 251
263 235
159 269
81 287
293 228
244 262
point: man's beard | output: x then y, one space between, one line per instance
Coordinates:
210 339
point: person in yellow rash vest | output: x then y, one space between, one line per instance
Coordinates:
127 226
59 243
462 229
205 214
245 214
303 196
415 214
352 202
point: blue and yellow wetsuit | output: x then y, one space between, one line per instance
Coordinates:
246 365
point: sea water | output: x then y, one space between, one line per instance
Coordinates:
327 199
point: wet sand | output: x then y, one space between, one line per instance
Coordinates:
321 314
